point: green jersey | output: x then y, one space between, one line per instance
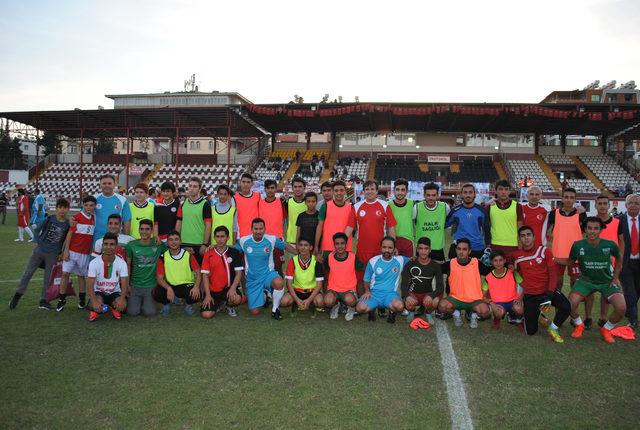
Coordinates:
143 263
595 260
430 222
404 216
194 216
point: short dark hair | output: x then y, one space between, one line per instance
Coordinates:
196 179
338 184
246 175
503 183
602 197
430 186
224 187
497 253
21 191
89 199
401 181
62 203
326 184
146 221
525 228
181 190
270 183
391 238
173 233
595 219
468 185
569 190
110 236
108 175
424 241
142 186
299 180
368 183
310 194
221 228
463 240
340 235
257 221
304 239
168 186
115 216
36 191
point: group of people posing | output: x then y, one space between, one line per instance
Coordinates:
506 259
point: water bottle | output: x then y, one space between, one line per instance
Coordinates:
105 308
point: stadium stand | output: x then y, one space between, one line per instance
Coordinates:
479 170
390 169
7 186
558 160
319 153
583 186
612 175
348 168
272 168
211 175
529 168
310 173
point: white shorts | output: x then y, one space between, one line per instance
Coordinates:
78 264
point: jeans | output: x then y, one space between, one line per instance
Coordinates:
141 300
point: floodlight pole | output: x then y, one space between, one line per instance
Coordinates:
177 145
37 154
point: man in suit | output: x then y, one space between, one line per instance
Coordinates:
630 275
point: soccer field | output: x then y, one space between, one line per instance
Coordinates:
60 371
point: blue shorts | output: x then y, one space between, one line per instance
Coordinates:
508 307
380 299
255 289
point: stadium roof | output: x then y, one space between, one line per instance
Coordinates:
581 119
141 122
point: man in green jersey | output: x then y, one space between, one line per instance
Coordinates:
224 213
304 280
505 218
142 256
431 216
141 208
194 220
295 206
402 209
594 255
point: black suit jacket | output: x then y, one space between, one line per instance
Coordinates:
624 225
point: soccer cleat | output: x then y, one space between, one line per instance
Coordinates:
335 311
474 321
555 336
276 315
44 305
391 319
14 301
81 304
601 322
166 310
231 311
350 313
495 324
405 313
588 322
18 240
430 319
372 315
188 310
30 240
577 332
606 335
93 315
116 314
382 312
60 306
457 320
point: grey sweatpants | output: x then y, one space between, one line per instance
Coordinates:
141 299
37 257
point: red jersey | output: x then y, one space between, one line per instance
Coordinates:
82 233
537 268
247 207
373 219
273 213
536 218
221 268
23 211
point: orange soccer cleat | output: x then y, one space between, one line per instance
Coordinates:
577 332
117 315
93 315
606 335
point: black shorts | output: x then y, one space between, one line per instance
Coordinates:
436 254
217 299
196 249
108 298
303 295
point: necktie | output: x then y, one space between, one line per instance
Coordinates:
634 238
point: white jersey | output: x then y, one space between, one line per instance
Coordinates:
107 277
123 239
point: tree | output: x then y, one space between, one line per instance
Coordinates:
11 156
104 146
51 143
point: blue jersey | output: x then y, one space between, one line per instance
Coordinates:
258 256
115 204
38 216
471 223
384 275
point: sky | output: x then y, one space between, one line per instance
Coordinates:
68 54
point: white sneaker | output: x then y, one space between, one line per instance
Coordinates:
231 311
474 321
335 310
30 240
18 240
350 313
405 313
457 320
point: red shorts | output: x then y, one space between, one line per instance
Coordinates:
364 257
574 271
404 247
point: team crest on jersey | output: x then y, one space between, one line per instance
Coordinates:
99 206
606 251
266 250
539 260
581 251
117 207
395 270
469 215
362 212
173 209
229 260
379 270
249 249
540 217
378 212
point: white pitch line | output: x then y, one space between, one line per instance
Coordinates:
3 281
458 406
